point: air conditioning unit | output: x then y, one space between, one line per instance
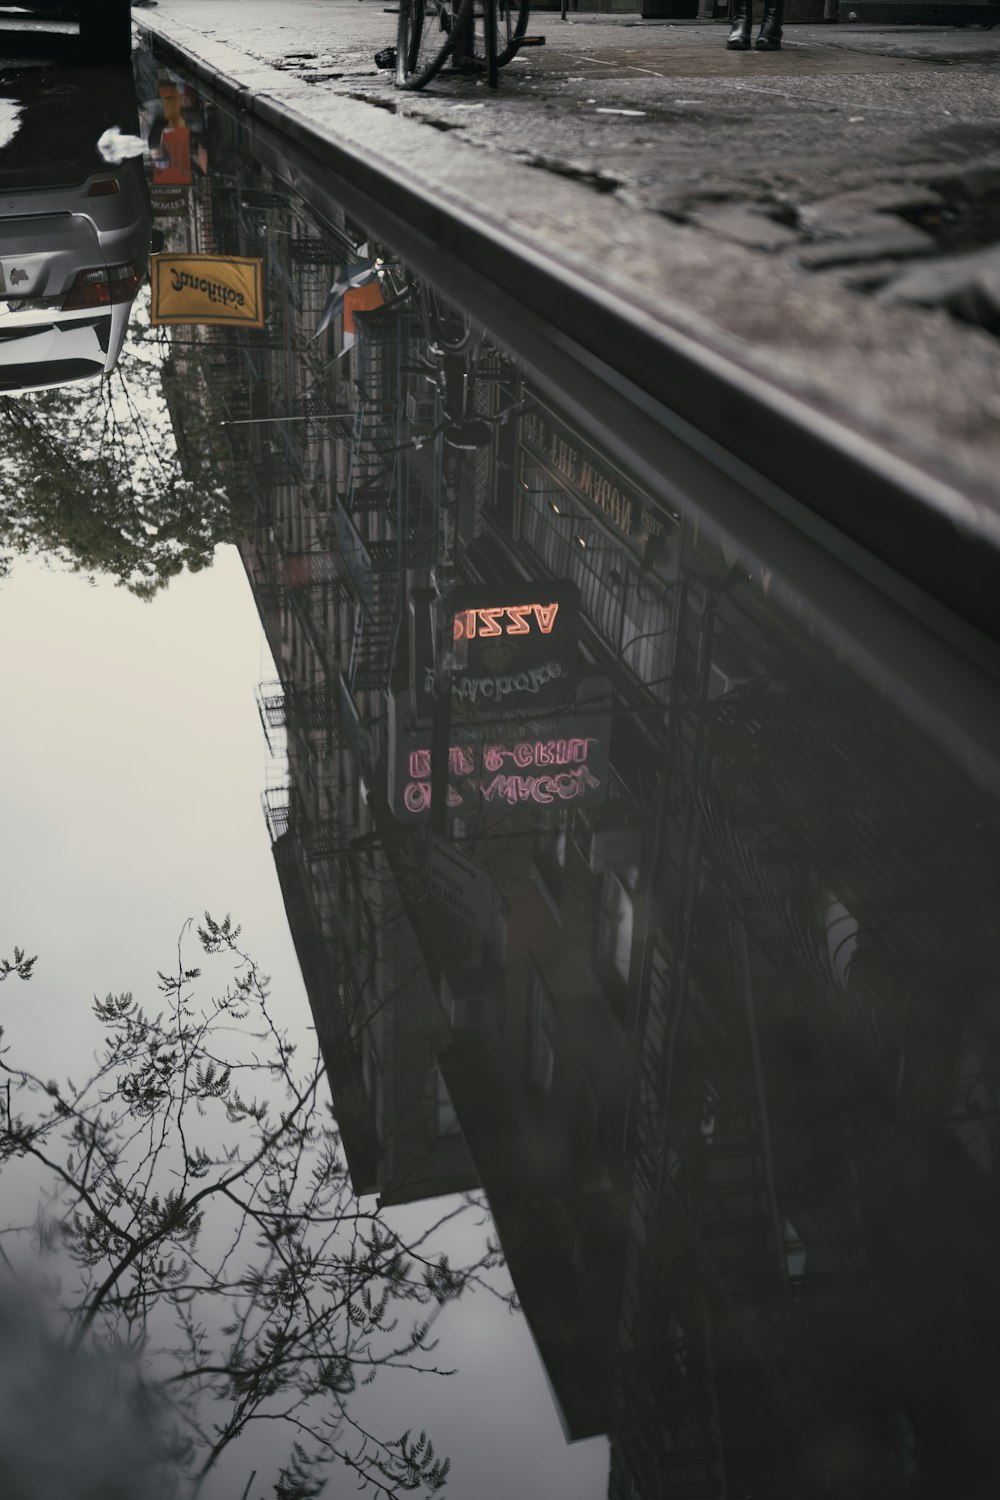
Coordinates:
421 410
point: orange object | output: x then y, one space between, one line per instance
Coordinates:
361 299
176 141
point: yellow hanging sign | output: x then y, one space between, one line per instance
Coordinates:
208 289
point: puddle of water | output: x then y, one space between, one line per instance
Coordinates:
639 871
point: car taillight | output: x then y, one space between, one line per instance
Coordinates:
102 286
103 187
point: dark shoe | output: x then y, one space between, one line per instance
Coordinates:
739 37
769 36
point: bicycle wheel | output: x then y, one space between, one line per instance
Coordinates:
497 29
512 22
426 38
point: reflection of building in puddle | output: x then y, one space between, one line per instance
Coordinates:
715 1032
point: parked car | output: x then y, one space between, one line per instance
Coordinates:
75 232
105 25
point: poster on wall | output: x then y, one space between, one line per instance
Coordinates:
207 289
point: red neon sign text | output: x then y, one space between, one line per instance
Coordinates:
491 622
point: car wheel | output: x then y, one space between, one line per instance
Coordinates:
106 30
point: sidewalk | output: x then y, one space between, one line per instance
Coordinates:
811 212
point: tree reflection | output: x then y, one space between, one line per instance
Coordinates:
100 478
197 1217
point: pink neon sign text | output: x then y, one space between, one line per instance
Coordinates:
563 786
462 762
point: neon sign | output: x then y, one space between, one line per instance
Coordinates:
462 759
565 786
495 766
538 753
513 645
490 622
460 763
538 763
542 789
565 774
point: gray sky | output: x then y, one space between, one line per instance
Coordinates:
133 762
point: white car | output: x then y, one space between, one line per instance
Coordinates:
74 234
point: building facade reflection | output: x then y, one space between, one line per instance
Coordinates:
687 951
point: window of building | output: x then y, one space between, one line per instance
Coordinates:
583 834
498 942
615 925
371 1074
447 1119
795 1251
630 613
541 1037
594 1142
550 864
645 642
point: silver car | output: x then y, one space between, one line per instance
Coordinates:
74 233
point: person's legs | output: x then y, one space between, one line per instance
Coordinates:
742 19
769 36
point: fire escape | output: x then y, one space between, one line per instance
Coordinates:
385 517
